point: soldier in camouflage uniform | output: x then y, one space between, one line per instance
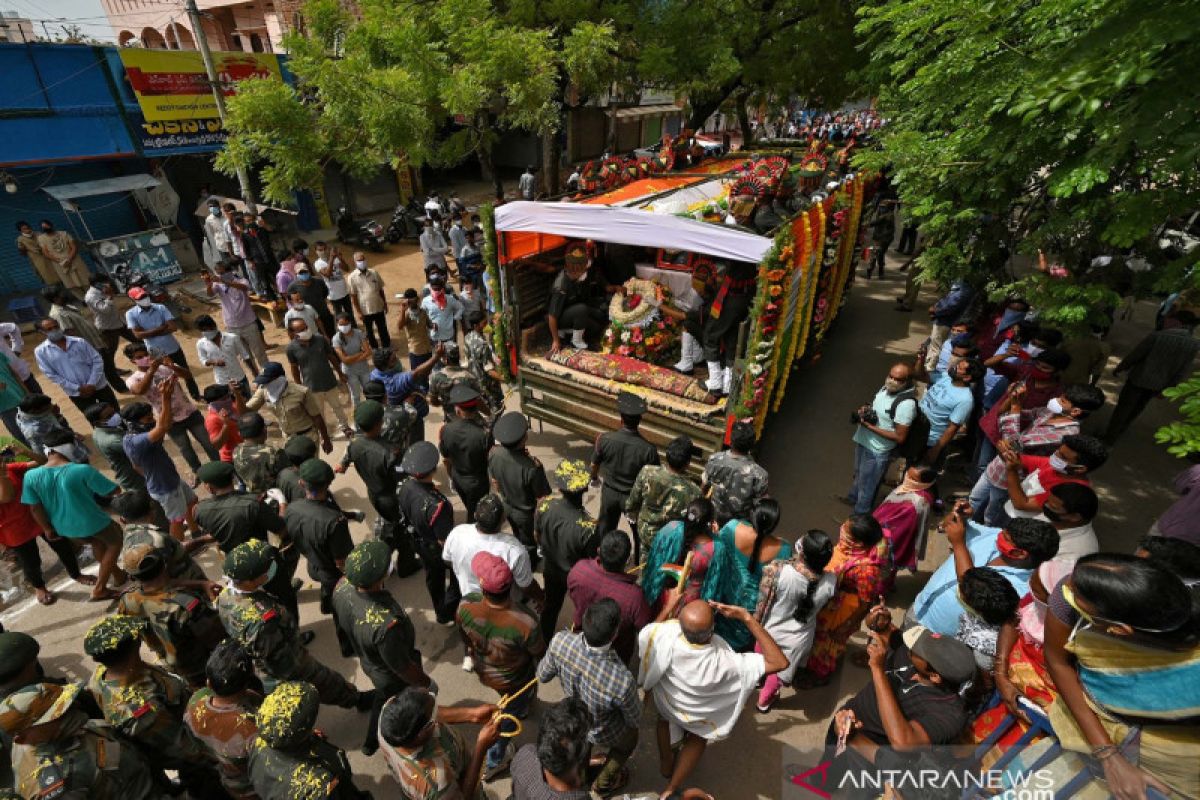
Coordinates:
565 533
221 715
450 375
267 631
380 631
661 494
733 477
258 464
145 703
398 420
138 512
482 361
183 627
60 754
289 759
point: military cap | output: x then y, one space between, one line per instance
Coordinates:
462 393
286 716
141 560
631 404
111 633
36 704
572 475
272 370
367 562
16 650
511 428
249 560
420 459
368 414
218 473
316 471
300 447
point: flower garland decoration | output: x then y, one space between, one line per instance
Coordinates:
801 232
848 229
498 325
637 327
765 313
817 217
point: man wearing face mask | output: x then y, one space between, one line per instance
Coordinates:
1014 551
297 411
155 326
354 353
225 353
403 388
1035 432
67 315
414 330
261 264
1070 508
62 250
216 241
108 436
433 247
299 309
220 420
27 245
443 310
332 269
368 295
316 366
144 445
1030 478
236 309
316 296
882 427
74 365
577 304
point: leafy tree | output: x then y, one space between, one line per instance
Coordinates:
1063 125
432 83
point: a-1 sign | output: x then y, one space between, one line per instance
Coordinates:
146 252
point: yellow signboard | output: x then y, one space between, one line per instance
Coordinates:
173 85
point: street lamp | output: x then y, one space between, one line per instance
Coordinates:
10 183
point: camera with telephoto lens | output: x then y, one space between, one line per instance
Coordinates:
866 414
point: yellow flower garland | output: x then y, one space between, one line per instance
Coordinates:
784 361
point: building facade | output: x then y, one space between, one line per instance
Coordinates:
251 27
15 28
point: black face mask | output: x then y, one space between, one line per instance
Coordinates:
1051 514
47 230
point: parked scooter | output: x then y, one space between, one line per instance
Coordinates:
368 233
404 225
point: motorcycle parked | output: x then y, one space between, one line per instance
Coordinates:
405 224
368 233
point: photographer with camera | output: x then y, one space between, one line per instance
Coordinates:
882 427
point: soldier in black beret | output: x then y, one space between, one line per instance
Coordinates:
464 443
619 456
430 518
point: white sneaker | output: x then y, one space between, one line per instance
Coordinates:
716 377
468 664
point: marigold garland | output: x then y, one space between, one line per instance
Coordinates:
784 361
497 323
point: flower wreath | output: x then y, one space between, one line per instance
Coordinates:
638 306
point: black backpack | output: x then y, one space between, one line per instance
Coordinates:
918 431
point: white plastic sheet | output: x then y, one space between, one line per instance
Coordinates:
631 227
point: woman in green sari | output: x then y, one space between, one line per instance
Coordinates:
752 546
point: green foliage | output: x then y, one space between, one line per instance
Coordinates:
430 83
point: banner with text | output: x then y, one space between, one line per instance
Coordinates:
172 84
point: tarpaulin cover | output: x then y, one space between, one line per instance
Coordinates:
631 227
637 191
125 183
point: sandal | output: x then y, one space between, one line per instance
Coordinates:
104 596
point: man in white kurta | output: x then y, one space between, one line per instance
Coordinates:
699 684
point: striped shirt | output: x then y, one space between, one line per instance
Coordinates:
504 642
1040 438
599 679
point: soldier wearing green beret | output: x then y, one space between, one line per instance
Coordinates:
268 632
234 517
138 513
258 464
380 631
182 626
464 442
61 754
379 467
321 532
296 450
566 533
145 703
289 759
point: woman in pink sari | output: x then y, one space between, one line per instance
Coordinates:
904 515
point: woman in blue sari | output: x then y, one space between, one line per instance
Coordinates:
752 546
711 577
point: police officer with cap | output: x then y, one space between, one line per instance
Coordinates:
291 759
182 628
464 444
379 467
518 478
380 631
233 517
145 703
321 532
268 632
619 456
430 518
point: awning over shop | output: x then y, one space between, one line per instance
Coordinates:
645 111
64 193
630 227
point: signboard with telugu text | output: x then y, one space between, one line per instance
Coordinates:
173 85
147 252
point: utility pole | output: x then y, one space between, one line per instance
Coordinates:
202 43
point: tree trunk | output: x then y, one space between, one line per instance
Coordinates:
705 105
744 120
484 151
551 153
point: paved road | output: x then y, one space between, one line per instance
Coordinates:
808 452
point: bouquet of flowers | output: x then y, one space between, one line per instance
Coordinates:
637 327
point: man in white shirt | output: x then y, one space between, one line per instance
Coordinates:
698 683
484 535
225 353
11 345
216 238
332 269
433 247
527 185
1070 508
458 237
